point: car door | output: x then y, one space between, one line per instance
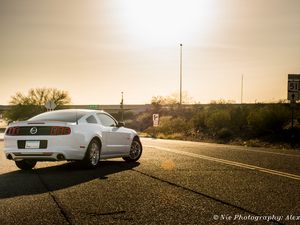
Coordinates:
117 138
97 127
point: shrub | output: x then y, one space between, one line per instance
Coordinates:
142 121
239 116
198 120
175 136
225 122
224 134
268 119
218 120
170 125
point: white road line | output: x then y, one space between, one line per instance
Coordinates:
228 162
231 147
275 153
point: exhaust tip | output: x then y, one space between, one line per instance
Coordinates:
60 157
9 157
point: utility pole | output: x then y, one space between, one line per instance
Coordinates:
180 102
242 88
122 107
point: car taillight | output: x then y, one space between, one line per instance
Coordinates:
13 131
60 131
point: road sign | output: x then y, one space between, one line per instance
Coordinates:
294 87
155 120
93 106
50 105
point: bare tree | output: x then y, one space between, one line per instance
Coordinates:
26 106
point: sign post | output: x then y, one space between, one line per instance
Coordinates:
293 96
294 87
155 118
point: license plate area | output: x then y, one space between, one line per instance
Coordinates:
32 144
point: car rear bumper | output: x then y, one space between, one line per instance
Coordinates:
58 148
44 155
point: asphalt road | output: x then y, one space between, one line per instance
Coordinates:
174 182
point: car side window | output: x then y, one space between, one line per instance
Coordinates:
91 119
106 120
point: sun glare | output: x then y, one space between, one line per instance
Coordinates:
163 22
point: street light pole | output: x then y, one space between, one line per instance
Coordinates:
122 107
180 102
242 88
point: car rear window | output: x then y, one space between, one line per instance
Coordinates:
62 116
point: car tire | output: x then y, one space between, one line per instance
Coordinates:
25 164
136 150
92 155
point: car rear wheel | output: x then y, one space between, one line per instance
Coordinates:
136 150
92 155
25 164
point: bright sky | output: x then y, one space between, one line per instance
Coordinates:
97 49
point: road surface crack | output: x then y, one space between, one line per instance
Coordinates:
62 211
202 194
117 215
106 214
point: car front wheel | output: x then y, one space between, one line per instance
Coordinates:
136 150
25 164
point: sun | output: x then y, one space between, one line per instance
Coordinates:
165 22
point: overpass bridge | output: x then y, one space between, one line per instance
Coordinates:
110 108
107 108
4 108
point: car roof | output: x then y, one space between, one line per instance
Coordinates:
79 110
84 112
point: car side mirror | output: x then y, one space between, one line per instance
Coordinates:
120 124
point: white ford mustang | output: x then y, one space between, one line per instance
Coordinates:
71 134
